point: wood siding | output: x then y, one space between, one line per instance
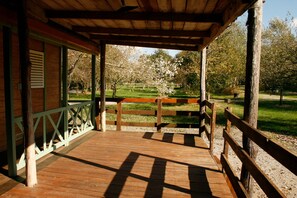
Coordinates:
52 84
2 100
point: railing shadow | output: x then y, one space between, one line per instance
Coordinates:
156 183
189 139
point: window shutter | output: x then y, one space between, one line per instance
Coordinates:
37 69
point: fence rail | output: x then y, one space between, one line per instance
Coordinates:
158 113
52 134
279 153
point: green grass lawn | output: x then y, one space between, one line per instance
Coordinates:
272 117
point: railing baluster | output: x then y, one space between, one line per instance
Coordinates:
212 126
119 116
159 115
228 129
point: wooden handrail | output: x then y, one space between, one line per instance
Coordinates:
279 153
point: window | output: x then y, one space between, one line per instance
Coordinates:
37 69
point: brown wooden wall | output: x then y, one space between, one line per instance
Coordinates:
2 104
52 83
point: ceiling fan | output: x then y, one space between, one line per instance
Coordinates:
126 8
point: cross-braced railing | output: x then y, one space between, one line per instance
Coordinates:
49 128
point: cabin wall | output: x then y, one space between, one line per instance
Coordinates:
42 98
2 100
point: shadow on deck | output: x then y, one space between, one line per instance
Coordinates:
127 164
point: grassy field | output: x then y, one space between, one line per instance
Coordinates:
272 117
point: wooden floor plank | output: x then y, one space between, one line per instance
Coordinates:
124 164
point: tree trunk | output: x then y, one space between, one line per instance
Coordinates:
23 33
281 97
114 90
254 24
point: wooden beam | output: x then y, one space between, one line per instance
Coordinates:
102 87
153 45
23 34
235 8
147 39
251 96
139 16
156 32
51 32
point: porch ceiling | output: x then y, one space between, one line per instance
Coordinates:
173 24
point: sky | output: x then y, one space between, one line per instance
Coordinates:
271 9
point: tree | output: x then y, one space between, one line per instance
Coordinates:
121 66
226 60
188 71
279 65
79 70
163 70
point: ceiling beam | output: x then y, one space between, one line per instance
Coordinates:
140 16
147 39
155 32
153 45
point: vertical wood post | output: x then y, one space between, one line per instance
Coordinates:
9 115
228 129
119 116
102 87
23 33
202 91
93 114
65 92
254 24
212 126
159 115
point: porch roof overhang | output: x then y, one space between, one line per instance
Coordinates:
172 24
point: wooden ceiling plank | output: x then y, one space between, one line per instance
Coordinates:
234 9
147 39
127 31
149 16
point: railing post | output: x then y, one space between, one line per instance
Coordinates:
202 91
228 129
102 88
159 115
97 113
119 116
212 126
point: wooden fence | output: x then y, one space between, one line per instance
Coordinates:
210 123
159 113
279 153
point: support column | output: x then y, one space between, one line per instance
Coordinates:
102 87
93 88
25 65
9 115
65 92
202 91
254 24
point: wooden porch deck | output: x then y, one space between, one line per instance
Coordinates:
127 164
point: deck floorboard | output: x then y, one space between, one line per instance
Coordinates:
128 164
